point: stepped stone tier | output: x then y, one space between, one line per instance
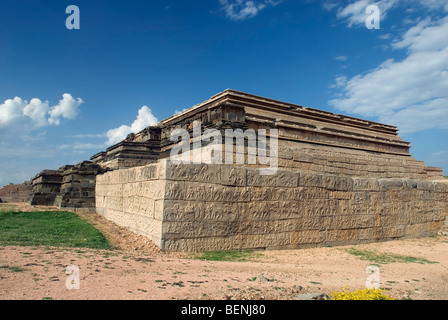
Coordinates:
46 185
77 188
340 180
309 139
71 187
202 207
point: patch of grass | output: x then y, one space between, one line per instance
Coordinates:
6 207
241 255
385 258
49 228
13 268
260 278
143 259
179 284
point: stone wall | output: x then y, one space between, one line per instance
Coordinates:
307 157
133 198
77 189
353 163
200 207
127 154
46 186
15 192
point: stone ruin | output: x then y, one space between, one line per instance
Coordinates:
16 192
340 180
77 189
69 187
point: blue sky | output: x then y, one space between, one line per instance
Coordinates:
68 94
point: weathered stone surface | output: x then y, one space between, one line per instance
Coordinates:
362 184
16 192
77 189
46 186
310 140
233 176
134 198
238 211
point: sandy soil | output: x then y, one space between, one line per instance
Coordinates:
136 269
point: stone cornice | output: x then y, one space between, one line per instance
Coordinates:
372 136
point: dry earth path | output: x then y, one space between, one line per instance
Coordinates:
136 269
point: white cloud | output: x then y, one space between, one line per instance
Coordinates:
37 111
67 109
412 93
14 112
341 58
242 10
434 4
11 110
422 116
340 82
425 36
82 146
144 119
177 111
90 136
329 5
386 36
355 12
118 134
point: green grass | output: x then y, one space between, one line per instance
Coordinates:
385 258
242 255
179 284
13 268
6 207
48 228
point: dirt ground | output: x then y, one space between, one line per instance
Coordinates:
136 269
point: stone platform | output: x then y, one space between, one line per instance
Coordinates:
338 180
222 207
